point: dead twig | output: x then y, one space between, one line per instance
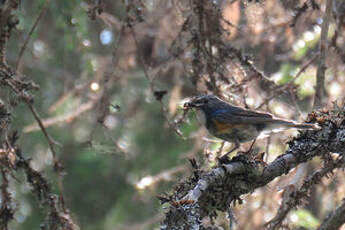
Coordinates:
335 219
27 39
159 94
294 196
321 67
289 84
62 118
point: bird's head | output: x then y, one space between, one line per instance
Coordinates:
203 102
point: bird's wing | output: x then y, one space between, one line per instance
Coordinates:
238 115
238 111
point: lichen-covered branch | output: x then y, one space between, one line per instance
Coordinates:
6 209
207 191
7 23
11 158
57 217
335 219
293 197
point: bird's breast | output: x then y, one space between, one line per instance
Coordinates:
201 117
234 132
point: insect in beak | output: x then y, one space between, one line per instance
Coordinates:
195 102
188 105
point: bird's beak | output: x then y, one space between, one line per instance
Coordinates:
188 105
193 103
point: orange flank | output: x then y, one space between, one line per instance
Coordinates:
223 128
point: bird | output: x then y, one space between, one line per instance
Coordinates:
236 124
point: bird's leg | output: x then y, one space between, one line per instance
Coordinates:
220 149
251 147
223 158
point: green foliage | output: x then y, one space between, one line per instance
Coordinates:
104 161
306 43
305 219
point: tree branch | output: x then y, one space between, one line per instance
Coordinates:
335 219
207 191
27 39
293 197
321 68
65 118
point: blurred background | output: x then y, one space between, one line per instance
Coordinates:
114 75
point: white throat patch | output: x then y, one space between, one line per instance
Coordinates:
200 116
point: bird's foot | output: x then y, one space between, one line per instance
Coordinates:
223 159
260 158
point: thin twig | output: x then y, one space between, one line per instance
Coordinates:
306 65
142 62
114 60
294 196
294 100
166 175
289 83
28 101
61 118
321 68
71 92
152 88
57 166
51 142
335 219
27 39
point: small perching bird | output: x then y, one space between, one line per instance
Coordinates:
235 124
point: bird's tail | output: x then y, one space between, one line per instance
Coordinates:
283 124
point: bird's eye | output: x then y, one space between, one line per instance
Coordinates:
202 101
